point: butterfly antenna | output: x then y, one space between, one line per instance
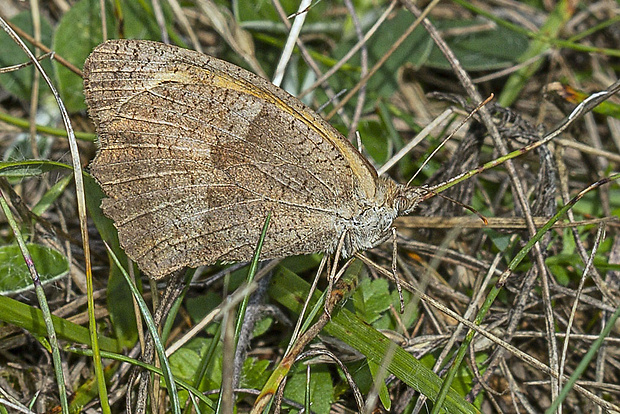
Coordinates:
472 113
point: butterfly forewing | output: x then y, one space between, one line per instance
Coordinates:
194 153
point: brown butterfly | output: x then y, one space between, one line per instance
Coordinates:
195 152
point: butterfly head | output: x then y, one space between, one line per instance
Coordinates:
407 198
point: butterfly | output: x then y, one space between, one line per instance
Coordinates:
195 152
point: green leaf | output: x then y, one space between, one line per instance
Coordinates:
20 148
29 168
321 387
561 275
77 33
371 299
52 195
30 319
14 274
484 49
500 240
414 51
185 362
255 373
19 83
290 290
480 49
373 136
199 306
120 302
551 28
384 394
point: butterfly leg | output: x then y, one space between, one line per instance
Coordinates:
394 273
331 280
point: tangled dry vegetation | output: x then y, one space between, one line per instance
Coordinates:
545 328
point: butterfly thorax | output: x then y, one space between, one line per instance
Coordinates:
372 226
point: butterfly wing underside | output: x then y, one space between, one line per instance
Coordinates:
194 153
